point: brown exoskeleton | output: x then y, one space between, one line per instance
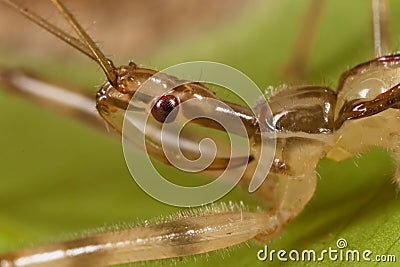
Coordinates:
310 122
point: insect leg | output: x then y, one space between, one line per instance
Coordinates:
380 21
189 234
295 69
55 97
292 179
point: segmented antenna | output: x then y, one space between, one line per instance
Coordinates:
87 47
105 63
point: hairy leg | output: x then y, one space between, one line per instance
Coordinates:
190 233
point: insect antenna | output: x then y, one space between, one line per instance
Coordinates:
51 28
88 47
105 63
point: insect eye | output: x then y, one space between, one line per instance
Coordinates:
163 106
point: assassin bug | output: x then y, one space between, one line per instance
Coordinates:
351 111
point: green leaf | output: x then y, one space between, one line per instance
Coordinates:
59 177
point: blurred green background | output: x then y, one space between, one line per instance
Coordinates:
60 178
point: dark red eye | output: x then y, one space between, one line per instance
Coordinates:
163 106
